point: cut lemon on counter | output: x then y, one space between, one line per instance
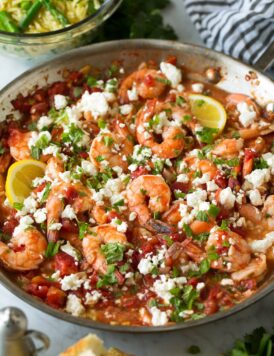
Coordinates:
209 112
20 177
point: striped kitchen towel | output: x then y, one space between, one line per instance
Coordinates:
241 28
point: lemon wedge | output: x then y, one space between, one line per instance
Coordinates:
209 112
19 179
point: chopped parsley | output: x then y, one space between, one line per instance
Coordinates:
202 216
113 252
107 279
46 192
260 163
207 134
52 249
18 206
213 210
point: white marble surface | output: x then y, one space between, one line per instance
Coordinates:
213 339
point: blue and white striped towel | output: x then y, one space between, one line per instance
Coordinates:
241 28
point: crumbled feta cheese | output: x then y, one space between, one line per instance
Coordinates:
24 223
269 158
163 286
93 297
30 205
132 94
195 198
158 317
247 113
121 226
227 282
258 177
270 107
255 197
227 198
60 102
43 122
68 213
73 281
211 186
198 87
40 215
264 244
45 135
96 103
126 109
74 305
55 226
182 178
51 150
70 250
88 167
203 180
180 88
200 286
173 74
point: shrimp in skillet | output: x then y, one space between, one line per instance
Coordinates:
152 121
151 188
112 148
93 241
25 251
18 143
146 83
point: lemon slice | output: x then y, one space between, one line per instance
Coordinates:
209 112
20 177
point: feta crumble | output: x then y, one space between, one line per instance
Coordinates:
173 74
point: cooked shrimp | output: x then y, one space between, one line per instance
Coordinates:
25 250
172 143
18 143
251 213
82 201
92 242
113 148
234 99
148 84
228 147
255 269
268 211
172 216
99 214
149 187
234 252
5 159
54 167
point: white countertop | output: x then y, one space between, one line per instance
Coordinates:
212 339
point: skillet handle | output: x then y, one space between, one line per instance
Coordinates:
266 59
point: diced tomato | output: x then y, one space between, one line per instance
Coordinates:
172 60
249 154
9 226
69 226
149 245
177 237
58 88
193 281
239 230
183 187
56 298
220 179
149 81
75 77
39 188
139 172
39 108
112 215
234 184
71 194
40 95
83 155
65 264
130 301
22 104
37 290
41 281
148 280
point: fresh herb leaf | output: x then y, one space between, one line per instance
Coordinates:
202 216
83 228
187 230
113 252
52 249
107 279
47 190
213 211
204 266
224 225
207 134
260 163
18 206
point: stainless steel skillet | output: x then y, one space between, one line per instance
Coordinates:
236 77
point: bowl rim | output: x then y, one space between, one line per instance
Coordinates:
104 7
127 45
